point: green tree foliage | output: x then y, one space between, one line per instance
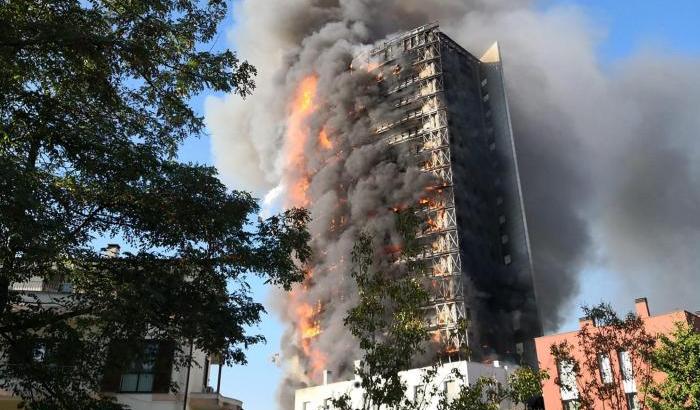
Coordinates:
484 394
525 384
678 356
599 378
388 322
93 108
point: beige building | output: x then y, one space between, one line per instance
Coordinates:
145 386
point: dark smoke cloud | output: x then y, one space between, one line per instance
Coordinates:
352 186
649 209
608 155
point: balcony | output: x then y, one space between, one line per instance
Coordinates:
213 401
210 397
38 284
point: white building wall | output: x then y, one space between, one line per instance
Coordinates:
315 398
149 401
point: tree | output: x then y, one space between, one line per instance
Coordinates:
678 357
613 350
389 324
94 106
525 385
387 319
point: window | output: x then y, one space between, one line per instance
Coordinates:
139 376
572 404
519 348
605 368
39 353
502 219
625 365
632 403
418 393
507 260
306 405
567 381
451 389
328 404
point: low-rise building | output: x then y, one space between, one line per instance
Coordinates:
320 397
146 385
564 394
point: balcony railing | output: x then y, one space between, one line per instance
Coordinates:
36 284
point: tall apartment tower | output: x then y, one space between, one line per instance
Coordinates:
452 115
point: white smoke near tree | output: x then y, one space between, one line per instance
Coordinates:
606 153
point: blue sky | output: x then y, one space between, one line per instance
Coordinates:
629 26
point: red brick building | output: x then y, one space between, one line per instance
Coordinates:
556 397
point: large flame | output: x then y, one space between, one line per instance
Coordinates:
303 105
298 137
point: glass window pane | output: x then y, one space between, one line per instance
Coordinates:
626 365
632 403
567 379
145 382
571 405
451 389
128 382
418 393
605 368
149 357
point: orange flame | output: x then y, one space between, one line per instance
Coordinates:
307 316
309 327
372 65
303 105
323 140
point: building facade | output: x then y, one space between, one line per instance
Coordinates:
144 385
319 397
620 365
451 117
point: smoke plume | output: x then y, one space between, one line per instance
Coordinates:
607 155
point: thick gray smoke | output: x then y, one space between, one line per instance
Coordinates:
608 155
333 163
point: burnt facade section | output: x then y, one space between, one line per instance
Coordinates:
451 119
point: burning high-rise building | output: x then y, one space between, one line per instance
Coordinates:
416 121
600 171
451 113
